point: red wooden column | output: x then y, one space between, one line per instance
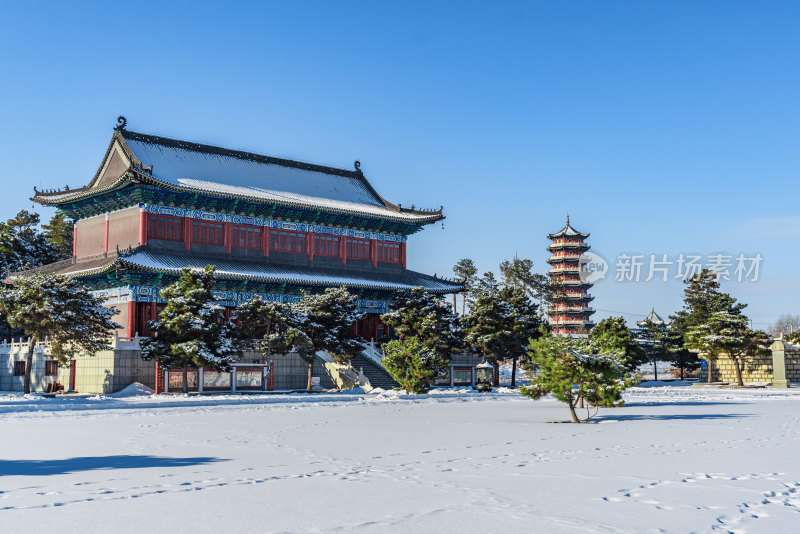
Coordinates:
265 242
310 245
75 238
227 227
143 222
343 248
403 254
187 233
373 251
105 238
131 318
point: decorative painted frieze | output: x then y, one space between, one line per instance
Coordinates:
268 223
123 294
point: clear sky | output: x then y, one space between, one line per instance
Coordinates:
661 127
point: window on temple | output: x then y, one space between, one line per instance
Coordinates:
288 241
208 232
50 368
246 236
165 227
325 245
19 368
388 252
358 249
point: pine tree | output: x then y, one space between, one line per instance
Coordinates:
191 330
673 344
650 340
263 325
329 319
412 366
61 309
59 233
612 334
519 273
300 343
526 325
484 284
727 332
489 325
465 272
23 245
416 313
702 299
572 370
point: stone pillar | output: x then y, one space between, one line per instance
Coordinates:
779 365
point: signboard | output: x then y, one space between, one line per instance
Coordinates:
314 381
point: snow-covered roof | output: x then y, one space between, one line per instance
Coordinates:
243 269
196 167
652 318
567 231
227 267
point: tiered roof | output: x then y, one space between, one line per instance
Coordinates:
227 267
652 318
192 167
567 231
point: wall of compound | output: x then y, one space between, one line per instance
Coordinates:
757 369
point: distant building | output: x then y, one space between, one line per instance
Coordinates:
569 312
652 318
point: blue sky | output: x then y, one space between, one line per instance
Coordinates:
662 128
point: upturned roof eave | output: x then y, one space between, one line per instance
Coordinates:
138 176
288 280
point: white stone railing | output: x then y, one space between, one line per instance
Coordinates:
21 346
372 352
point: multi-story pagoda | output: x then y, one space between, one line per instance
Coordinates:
569 311
271 226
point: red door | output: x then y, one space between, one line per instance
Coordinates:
72 365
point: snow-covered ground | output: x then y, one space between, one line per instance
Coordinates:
674 459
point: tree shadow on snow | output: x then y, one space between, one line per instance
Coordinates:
667 403
95 463
666 417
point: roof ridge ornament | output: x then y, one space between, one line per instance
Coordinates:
357 165
567 219
122 122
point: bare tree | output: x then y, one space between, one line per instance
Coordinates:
786 324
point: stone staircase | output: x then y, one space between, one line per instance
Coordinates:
378 376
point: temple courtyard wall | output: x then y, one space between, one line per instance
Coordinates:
112 370
755 369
